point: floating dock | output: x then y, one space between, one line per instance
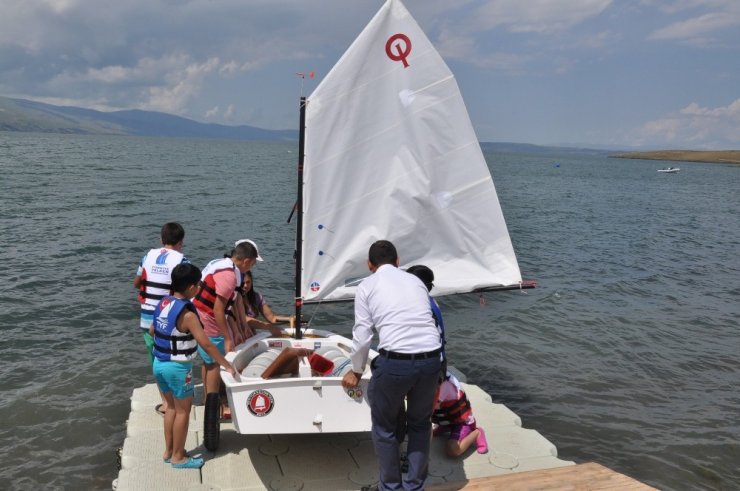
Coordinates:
518 458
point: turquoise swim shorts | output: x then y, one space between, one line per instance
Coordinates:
175 377
218 342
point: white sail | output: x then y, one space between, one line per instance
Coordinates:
390 153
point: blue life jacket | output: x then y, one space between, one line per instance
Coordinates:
169 343
437 314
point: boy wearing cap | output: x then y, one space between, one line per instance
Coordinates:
216 294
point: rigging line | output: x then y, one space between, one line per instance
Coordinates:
313 314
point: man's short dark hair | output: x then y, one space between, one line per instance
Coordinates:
183 276
172 233
425 274
244 250
382 252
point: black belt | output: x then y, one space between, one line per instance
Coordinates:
409 356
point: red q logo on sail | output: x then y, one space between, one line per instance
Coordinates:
398 48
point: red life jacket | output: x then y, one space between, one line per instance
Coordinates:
453 412
205 299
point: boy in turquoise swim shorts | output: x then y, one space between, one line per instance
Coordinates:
177 333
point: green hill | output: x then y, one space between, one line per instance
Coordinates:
31 116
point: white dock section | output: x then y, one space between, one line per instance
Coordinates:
318 462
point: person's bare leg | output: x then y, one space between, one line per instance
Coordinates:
169 421
181 420
456 448
165 403
203 373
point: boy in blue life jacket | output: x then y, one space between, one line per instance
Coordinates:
177 331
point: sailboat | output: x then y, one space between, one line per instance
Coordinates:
386 151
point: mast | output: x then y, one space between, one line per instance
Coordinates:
299 219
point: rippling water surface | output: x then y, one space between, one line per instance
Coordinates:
626 354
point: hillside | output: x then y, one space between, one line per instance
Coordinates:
30 116
714 157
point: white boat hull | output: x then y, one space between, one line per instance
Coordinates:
303 404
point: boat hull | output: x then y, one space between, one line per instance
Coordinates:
302 404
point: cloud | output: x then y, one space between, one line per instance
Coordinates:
155 54
696 28
697 126
539 16
482 36
213 112
165 84
180 87
675 6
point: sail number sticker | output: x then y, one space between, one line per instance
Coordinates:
355 393
402 45
260 403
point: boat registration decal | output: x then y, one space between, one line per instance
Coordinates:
355 393
260 403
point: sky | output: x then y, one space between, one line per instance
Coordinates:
613 73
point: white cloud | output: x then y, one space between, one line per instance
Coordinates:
540 16
697 126
213 112
675 6
452 45
229 113
181 85
696 27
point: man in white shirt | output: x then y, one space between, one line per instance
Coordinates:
396 305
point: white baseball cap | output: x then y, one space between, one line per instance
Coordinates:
259 258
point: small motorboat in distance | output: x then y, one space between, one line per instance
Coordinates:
670 170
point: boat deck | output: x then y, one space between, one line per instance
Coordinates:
346 461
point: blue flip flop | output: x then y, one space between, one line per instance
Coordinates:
191 463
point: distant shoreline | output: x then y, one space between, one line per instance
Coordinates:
712 157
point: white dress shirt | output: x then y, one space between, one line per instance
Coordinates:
396 304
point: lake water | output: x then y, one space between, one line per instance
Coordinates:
626 354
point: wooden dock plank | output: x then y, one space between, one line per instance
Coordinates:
591 477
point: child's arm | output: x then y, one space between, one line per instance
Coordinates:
238 309
272 316
219 314
190 322
137 279
258 324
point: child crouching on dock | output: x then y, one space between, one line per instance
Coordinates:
453 413
177 331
